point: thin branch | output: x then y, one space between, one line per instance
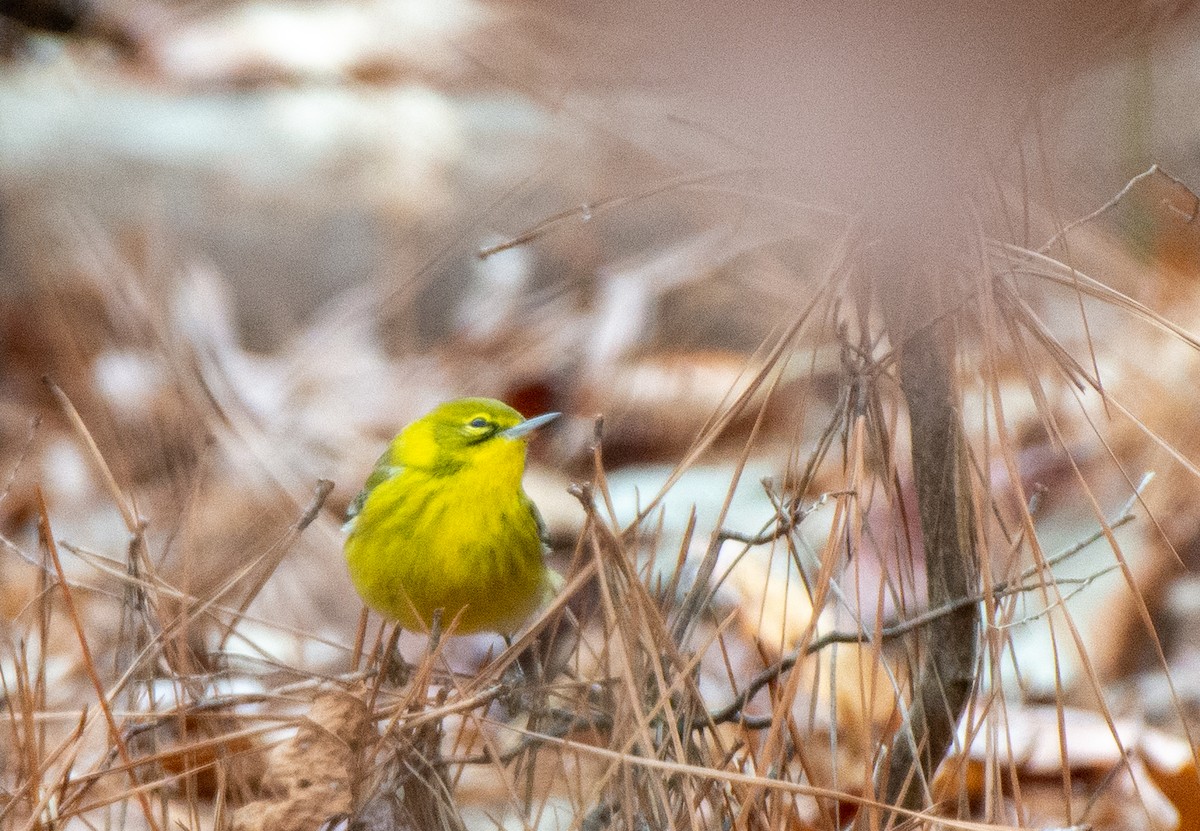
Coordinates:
1154 170
732 712
566 723
274 555
588 210
124 505
785 520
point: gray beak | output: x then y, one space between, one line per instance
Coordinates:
520 431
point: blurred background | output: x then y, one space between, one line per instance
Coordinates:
249 241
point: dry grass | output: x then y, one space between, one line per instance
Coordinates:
747 610
681 679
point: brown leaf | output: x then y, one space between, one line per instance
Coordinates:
315 775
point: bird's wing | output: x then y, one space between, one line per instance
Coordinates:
384 469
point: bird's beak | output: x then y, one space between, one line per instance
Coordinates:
520 431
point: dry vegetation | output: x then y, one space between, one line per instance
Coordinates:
244 244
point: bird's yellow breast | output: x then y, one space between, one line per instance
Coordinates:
462 537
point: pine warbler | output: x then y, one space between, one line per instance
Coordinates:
443 522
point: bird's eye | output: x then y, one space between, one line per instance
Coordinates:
479 422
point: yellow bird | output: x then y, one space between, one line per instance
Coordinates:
443 522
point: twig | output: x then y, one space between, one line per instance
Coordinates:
1153 170
698 593
586 211
566 723
785 521
320 494
1079 583
360 637
128 512
732 712
276 553
1001 589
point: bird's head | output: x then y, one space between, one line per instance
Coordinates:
460 431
